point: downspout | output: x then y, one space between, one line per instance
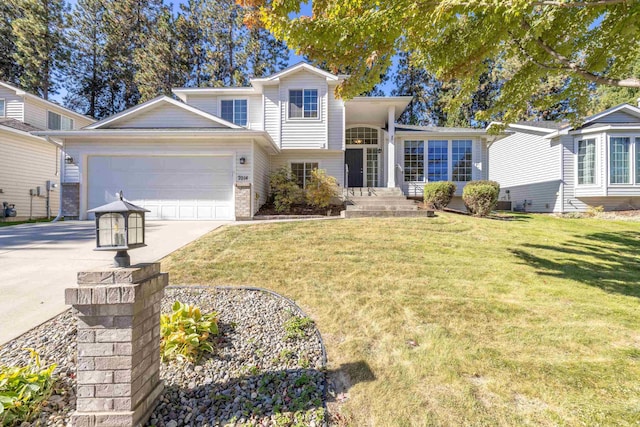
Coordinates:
61 160
562 177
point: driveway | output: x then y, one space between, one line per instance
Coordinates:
38 261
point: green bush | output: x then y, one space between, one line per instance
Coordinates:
23 389
437 195
285 191
321 188
185 333
296 327
481 197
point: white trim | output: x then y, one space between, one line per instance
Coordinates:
597 169
292 161
531 128
628 107
163 98
234 99
23 133
631 182
61 116
295 68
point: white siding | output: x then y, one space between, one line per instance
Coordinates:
617 117
14 104
261 172
538 196
304 133
158 147
35 113
208 103
609 203
336 121
164 116
272 113
254 104
331 161
211 104
27 163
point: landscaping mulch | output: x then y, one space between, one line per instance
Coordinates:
301 210
259 375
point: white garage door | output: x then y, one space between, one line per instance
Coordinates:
170 187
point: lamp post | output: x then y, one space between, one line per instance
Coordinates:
120 226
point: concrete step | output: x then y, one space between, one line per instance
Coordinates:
372 192
382 202
382 208
384 214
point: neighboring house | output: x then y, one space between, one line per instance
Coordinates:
30 165
209 154
550 167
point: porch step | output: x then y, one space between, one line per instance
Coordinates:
381 200
385 214
377 208
372 192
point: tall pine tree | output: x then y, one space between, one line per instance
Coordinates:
39 43
9 69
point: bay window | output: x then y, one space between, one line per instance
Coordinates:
438 160
587 162
619 160
461 164
446 160
413 161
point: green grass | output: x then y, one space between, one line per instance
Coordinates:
455 320
9 222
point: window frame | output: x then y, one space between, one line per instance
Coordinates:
415 170
72 122
596 180
318 98
449 152
304 163
222 99
3 111
451 160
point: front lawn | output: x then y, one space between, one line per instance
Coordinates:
455 320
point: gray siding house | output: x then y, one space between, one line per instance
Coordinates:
554 167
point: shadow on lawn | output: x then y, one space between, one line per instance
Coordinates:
292 396
609 261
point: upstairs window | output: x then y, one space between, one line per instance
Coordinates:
302 172
619 160
303 103
234 111
461 164
3 111
57 122
587 162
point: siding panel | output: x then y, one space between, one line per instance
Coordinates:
331 161
272 113
165 116
336 122
14 104
260 177
304 133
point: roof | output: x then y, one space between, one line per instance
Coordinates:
439 129
591 122
374 109
133 111
21 92
297 67
544 124
18 125
118 206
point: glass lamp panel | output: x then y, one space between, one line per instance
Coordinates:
111 230
135 228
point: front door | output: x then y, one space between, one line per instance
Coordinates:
353 159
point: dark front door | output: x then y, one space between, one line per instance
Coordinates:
353 159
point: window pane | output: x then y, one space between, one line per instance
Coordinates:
438 159
240 112
587 161
637 160
413 161
297 172
295 103
362 135
54 121
461 155
2 109
619 172
311 103
66 123
227 110
372 167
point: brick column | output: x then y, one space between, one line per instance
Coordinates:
243 201
70 200
118 313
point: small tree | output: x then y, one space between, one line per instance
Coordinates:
284 190
321 188
437 195
481 197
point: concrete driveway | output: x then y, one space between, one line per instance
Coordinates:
38 261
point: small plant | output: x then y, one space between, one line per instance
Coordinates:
296 326
438 195
594 211
185 333
481 197
321 189
285 191
23 389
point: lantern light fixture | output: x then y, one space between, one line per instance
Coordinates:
120 226
243 160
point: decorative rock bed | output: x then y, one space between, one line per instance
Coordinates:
258 376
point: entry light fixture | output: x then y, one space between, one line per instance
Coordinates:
243 160
68 159
120 226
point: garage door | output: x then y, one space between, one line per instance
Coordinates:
173 187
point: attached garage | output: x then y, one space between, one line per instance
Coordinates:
170 187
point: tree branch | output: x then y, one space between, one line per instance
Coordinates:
559 3
577 69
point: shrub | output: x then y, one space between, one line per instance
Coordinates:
481 197
23 389
594 211
185 333
285 191
437 195
321 188
296 326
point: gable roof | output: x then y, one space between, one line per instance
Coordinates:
294 69
18 125
21 92
588 122
153 103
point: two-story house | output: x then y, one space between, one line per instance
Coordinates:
209 153
29 164
553 167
